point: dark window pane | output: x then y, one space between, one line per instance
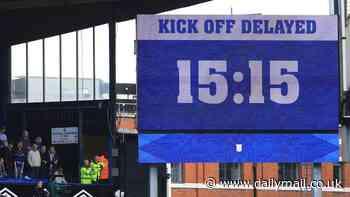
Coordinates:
288 171
230 171
176 173
337 172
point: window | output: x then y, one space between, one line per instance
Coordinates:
69 58
35 71
85 48
52 69
337 172
176 173
102 62
288 171
18 73
65 67
230 171
125 52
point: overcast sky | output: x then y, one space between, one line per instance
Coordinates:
126 35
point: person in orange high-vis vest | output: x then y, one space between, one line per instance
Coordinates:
105 170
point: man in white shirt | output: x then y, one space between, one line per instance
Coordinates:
34 161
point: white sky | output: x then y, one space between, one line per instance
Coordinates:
126 35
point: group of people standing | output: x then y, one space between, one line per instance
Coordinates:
32 160
27 159
96 171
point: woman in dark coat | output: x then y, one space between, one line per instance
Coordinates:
53 160
6 153
44 169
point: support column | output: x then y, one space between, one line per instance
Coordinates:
337 7
153 181
111 109
168 174
345 142
5 82
112 64
81 139
316 175
255 192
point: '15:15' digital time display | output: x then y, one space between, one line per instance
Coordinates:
210 72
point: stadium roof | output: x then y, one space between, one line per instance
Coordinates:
25 20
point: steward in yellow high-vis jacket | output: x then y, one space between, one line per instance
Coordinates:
86 173
96 167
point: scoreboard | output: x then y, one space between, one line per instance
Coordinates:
244 73
238 73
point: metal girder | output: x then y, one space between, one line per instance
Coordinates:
23 25
20 4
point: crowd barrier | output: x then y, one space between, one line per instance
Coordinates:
26 189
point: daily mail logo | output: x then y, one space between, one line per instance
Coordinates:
7 193
83 193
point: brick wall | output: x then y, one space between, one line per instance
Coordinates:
197 173
248 193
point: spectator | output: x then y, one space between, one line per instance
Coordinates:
25 139
59 177
3 136
11 160
40 191
44 170
3 172
34 161
7 154
38 141
19 157
57 184
53 160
